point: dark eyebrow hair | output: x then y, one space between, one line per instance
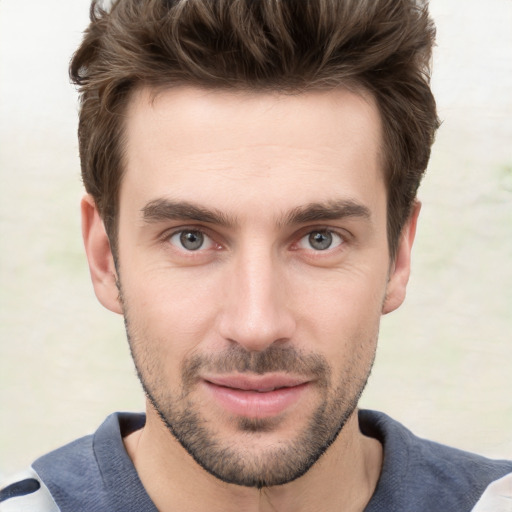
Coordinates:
332 210
165 209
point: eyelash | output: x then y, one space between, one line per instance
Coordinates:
331 235
342 236
167 237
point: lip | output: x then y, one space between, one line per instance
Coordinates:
257 396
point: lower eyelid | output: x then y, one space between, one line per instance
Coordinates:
208 242
338 240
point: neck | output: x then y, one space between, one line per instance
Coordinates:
344 478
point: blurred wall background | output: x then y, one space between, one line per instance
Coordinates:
444 363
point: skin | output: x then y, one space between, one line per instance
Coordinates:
256 163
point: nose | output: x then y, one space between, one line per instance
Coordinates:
256 311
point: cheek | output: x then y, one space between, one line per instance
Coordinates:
173 312
342 296
342 310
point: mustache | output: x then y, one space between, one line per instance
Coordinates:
276 358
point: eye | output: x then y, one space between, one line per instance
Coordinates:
320 240
191 240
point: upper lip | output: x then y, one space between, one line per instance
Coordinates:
259 383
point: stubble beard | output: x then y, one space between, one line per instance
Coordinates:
221 457
282 463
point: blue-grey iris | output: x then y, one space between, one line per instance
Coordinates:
320 240
192 240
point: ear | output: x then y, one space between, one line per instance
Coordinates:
99 256
401 267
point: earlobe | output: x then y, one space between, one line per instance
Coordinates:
99 256
401 268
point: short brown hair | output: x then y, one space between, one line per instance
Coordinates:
382 46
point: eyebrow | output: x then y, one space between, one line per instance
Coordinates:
331 210
163 209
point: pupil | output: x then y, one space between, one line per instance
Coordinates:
191 240
320 240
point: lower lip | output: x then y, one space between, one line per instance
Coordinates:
253 404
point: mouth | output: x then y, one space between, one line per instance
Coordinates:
256 396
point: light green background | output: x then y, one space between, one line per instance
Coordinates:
444 362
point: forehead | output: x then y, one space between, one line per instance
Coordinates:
194 144
313 118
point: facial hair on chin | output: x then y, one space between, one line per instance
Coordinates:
284 462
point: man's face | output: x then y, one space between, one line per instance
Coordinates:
253 268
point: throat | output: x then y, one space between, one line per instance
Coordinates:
344 478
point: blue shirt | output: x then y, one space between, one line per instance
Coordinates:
95 473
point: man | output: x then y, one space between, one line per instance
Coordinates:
251 170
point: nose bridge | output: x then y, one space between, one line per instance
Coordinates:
255 313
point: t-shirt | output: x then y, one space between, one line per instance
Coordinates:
95 473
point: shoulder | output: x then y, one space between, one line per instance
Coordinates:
26 491
91 473
41 487
423 475
497 497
